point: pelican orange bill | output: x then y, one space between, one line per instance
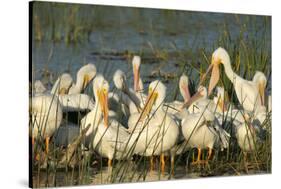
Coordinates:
195 97
261 92
152 96
103 98
136 78
186 92
86 80
215 76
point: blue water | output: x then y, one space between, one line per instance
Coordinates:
128 29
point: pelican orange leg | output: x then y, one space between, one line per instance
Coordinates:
47 141
162 160
198 157
109 163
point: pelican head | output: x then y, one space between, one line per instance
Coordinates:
86 74
62 84
120 81
65 83
101 89
219 56
200 94
183 85
202 91
155 98
261 81
39 87
136 71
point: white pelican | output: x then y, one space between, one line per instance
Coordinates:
177 106
202 130
248 135
226 110
123 101
126 96
39 87
62 84
104 134
249 93
138 85
176 109
46 117
154 132
84 76
246 128
74 101
136 62
243 121
118 101
199 102
224 107
222 110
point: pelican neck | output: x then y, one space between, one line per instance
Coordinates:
228 70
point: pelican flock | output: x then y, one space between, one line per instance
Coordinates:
125 122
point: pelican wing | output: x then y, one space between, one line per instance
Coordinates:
195 121
173 107
247 93
76 102
144 139
115 134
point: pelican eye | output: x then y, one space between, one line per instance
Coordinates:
216 60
